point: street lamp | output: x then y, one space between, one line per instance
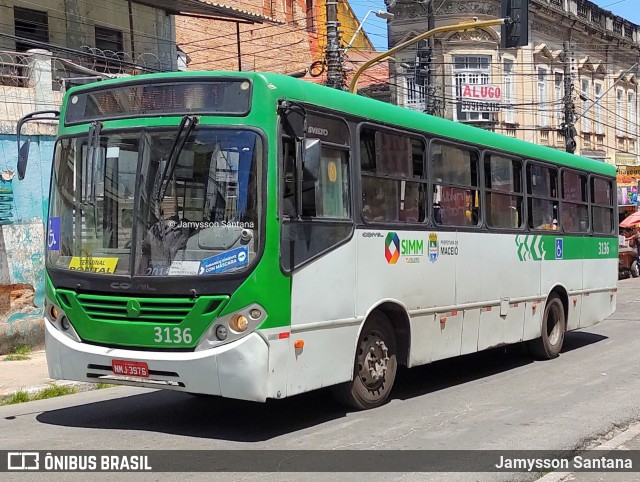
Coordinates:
378 13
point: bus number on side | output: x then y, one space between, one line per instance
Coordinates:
172 335
603 248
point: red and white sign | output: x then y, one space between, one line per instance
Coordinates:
483 92
480 98
130 368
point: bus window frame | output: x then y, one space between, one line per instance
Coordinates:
557 199
350 221
485 191
613 206
383 224
481 224
563 201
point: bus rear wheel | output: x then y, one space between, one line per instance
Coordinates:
375 366
554 325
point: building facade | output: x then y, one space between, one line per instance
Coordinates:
581 64
292 43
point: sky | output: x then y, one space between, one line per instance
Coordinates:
376 28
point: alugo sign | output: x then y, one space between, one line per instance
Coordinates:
480 98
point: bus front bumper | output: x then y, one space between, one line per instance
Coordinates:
235 370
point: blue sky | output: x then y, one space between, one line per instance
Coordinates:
376 28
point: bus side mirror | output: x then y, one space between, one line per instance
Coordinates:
23 150
23 158
311 160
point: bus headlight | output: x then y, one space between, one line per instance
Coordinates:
58 318
231 327
221 332
238 323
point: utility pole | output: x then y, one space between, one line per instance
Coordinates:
568 127
432 105
335 69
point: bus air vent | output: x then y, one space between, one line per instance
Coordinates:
152 310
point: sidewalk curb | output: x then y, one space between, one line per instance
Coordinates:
35 389
630 433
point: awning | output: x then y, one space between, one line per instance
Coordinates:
632 220
199 7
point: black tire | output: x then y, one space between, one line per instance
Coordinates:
373 376
554 326
635 269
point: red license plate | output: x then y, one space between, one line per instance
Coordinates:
130 368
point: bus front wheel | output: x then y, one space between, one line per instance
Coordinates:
554 325
375 366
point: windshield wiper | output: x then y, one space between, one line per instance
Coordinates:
184 130
93 147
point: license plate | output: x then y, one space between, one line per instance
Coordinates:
130 368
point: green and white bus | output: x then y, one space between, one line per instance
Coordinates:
255 236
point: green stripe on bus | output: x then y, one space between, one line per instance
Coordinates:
537 247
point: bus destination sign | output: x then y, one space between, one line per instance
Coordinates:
207 96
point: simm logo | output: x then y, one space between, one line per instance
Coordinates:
394 248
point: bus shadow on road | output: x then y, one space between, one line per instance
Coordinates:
447 373
217 418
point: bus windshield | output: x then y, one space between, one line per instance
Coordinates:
116 209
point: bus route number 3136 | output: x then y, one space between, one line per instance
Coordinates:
172 335
603 248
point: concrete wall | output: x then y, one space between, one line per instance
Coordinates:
22 245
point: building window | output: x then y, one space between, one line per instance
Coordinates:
416 95
471 70
558 92
509 92
543 101
108 39
620 112
598 108
586 103
632 128
311 25
30 25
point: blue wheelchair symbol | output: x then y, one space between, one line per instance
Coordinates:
559 248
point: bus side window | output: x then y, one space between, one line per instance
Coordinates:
393 180
289 178
542 188
455 170
504 196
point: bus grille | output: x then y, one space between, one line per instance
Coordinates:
100 308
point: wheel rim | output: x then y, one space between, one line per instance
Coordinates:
373 360
554 323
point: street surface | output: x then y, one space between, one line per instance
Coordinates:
499 399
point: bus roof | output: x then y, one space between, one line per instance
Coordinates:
381 112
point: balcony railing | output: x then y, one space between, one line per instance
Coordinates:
14 68
617 27
583 10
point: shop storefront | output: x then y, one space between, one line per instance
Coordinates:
627 181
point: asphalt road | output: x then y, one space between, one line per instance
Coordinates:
499 399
